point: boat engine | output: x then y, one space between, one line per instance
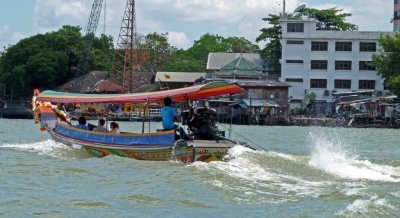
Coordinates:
202 122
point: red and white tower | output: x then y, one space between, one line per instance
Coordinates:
125 69
396 17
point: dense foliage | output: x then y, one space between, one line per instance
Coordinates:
327 19
387 62
330 19
158 50
272 34
49 60
195 58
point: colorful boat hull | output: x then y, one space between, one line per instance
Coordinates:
158 146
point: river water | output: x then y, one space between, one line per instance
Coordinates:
296 172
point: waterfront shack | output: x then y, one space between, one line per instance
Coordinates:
370 112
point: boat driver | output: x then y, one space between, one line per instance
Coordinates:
168 114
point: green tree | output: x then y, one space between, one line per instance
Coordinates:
330 19
327 19
198 53
273 35
47 60
206 44
101 53
387 62
158 49
182 62
240 44
309 101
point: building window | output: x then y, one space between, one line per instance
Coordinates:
319 65
342 65
396 1
342 84
368 46
294 80
319 46
397 15
318 83
396 28
366 84
294 42
294 61
295 27
366 65
343 46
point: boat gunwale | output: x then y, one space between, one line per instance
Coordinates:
122 134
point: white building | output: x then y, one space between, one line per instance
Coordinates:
326 62
396 17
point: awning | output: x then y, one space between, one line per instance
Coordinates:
189 93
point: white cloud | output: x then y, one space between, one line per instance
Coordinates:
223 11
4 30
8 37
373 15
179 39
369 15
186 20
52 14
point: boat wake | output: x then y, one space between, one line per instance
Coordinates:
360 207
333 157
263 176
48 148
331 171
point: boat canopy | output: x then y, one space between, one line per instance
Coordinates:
189 93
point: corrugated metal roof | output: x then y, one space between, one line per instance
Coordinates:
178 76
241 63
218 60
105 86
83 83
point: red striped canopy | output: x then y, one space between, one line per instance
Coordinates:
189 93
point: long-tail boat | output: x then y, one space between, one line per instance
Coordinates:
154 146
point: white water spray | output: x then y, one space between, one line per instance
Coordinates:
44 148
332 156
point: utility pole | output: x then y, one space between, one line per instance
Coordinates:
283 2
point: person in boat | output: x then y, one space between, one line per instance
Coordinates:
82 124
168 114
114 128
100 126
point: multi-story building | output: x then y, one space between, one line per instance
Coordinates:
326 62
396 16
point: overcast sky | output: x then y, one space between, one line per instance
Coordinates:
185 20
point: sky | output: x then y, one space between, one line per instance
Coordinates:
184 20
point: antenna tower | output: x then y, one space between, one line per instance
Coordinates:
125 64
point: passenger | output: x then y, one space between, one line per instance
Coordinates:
114 128
100 126
168 114
82 124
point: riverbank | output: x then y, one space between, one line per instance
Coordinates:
16 110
